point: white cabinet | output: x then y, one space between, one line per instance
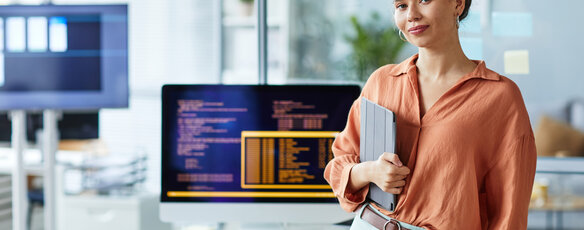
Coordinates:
93 212
138 212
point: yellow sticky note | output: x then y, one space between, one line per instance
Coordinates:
516 62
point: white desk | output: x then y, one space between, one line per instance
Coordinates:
33 160
89 212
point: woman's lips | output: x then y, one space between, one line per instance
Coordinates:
418 29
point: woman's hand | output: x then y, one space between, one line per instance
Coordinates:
387 172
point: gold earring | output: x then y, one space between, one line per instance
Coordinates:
401 36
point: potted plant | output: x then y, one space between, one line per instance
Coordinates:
374 45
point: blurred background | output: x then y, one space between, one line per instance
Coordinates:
317 42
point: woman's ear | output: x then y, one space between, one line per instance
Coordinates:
460 5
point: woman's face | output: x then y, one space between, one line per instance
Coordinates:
427 23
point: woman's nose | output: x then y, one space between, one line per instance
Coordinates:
413 14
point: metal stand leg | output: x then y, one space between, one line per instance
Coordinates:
49 150
19 190
560 220
549 222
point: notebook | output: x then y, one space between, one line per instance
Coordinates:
377 137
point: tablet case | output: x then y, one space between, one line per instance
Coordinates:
377 137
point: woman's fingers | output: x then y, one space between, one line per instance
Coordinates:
390 168
394 190
390 173
392 158
401 177
394 187
401 170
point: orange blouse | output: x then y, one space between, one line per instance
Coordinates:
472 155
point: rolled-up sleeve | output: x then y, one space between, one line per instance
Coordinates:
346 151
509 184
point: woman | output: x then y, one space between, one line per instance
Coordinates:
465 148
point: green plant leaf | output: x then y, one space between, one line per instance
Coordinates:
373 44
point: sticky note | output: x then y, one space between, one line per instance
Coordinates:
516 62
472 23
472 47
507 24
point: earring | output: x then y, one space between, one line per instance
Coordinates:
401 36
457 22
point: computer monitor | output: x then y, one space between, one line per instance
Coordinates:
66 57
250 153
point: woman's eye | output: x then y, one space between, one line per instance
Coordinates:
400 6
424 1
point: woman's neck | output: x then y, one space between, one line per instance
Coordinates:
444 62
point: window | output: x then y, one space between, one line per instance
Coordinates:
307 40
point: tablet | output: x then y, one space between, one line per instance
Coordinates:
377 137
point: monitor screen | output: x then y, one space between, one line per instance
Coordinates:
63 57
250 144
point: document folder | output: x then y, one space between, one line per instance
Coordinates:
377 137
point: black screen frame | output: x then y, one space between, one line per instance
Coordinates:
354 90
114 91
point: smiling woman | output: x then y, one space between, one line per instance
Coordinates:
408 20
447 174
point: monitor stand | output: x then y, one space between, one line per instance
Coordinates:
49 149
50 145
19 190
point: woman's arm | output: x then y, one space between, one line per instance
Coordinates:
345 173
509 183
346 151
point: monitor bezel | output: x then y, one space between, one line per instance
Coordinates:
165 145
115 88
